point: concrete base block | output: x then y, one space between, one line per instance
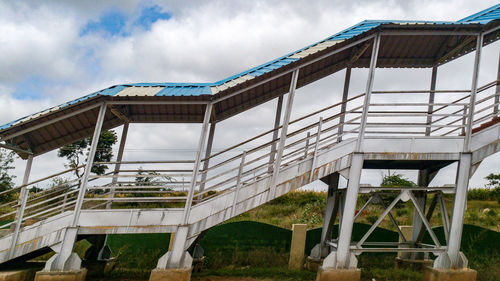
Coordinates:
464 274
412 264
338 274
18 275
77 275
171 274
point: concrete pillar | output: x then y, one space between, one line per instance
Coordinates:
297 247
171 242
406 230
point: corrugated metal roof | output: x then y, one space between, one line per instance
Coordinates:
484 16
206 89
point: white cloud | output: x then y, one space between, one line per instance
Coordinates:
204 41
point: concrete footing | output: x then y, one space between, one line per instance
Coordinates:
412 264
464 274
173 274
338 274
77 275
18 275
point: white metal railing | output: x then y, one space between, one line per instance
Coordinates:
163 184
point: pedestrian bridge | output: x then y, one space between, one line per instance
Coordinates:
422 129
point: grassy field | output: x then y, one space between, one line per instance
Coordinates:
255 245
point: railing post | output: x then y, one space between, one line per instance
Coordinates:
23 198
118 164
497 90
208 152
464 120
238 183
343 107
473 92
88 165
368 92
316 146
306 148
277 121
196 168
430 108
284 131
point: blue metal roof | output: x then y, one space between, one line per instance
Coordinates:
484 16
199 89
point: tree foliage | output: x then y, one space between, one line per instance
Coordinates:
77 152
6 179
397 180
493 181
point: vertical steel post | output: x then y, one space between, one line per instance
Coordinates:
421 198
277 121
208 152
23 198
88 165
473 92
459 207
316 146
196 168
60 261
349 208
118 164
332 205
432 93
238 183
284 131
368 92
306 147
343 107
497 90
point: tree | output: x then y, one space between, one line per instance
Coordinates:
396 180
77 152
493 181
6 179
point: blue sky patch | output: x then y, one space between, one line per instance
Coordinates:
150 15
114 22
31 88
111 22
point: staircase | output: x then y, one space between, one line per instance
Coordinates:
246 175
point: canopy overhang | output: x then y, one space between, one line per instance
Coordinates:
411 45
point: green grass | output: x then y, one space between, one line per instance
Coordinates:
256 244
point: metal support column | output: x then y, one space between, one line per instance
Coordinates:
421 198
88 165
332 207
344 257
473 92
343 107
177 257
208 152
432 93
66 259
456 259
118 164
284 131
196 168
277 121
368 92
23 198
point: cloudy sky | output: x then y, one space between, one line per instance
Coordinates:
56 51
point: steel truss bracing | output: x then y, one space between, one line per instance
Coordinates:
188 196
